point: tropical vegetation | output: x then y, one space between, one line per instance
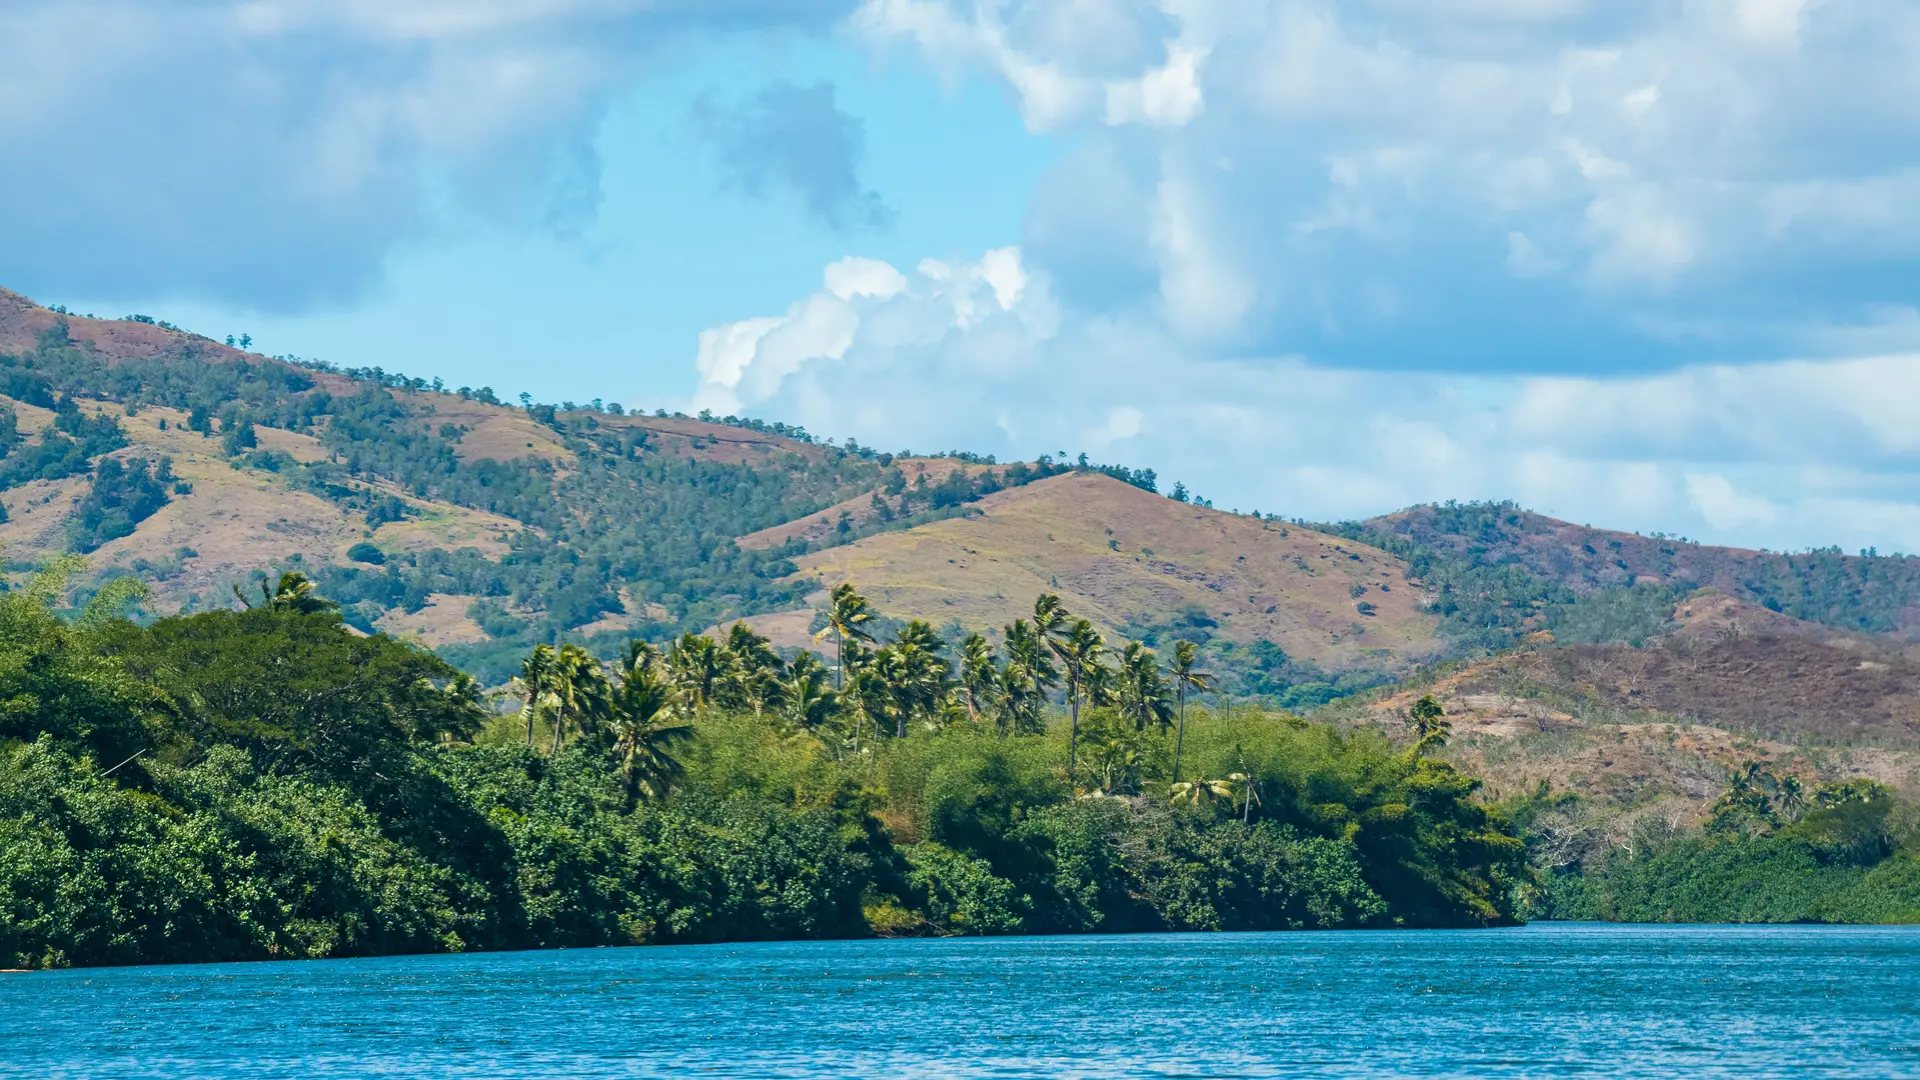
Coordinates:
261 781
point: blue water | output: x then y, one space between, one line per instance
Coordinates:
1546 1000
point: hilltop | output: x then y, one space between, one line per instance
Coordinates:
1867 592
1142 567
479 529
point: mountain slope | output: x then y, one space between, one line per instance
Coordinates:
477 526
1866 592
1664 724
1141 565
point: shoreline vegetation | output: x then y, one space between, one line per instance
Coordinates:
265 783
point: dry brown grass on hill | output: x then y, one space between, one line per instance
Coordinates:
1734 683
22 322
442 622
1124 557
492 431
234 522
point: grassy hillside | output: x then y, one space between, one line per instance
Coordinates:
480 528
1658 729
1142 567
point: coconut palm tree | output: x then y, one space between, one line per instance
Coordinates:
806 701
1791 796
535 686
1024 682
640 722
1194 791
1185 678
847 616
1117 753
1429 722
977 674
294 592
696 664
1049 615
1142 691
579 690
1249 794
1078 648
918 674
752 671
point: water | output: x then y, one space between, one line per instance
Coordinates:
1548 1000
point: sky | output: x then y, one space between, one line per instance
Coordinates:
1645 264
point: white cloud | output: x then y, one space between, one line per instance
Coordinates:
1698 159
273 153
1761 454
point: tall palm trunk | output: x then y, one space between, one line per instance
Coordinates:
1180 739
1073 725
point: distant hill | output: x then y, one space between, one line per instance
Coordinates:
425 510
1658 728
480 529
1867 592
1142 566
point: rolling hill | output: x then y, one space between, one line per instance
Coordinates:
1140 566
1655 730
1866 592
480 529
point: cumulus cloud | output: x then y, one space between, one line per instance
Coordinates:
273 152
981 355
795 138
1638 264
1455 183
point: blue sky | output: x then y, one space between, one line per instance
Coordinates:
1645 264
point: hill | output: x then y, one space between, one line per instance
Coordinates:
437 512
1868 592
1658 729
1142 567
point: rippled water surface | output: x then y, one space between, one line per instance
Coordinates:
1548 1000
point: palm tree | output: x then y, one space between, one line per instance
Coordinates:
917 673
1079 650
1024 682
696 664
847 614
1193 791
1185 678
579 692
294 592
806 701
1143 693
977 673
643 736
752 670
1249 794
1429 723
536 685
1050 617
1792 797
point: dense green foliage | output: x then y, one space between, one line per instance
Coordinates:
1771 852
262 783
